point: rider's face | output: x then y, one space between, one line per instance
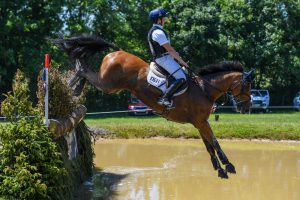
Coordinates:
162 21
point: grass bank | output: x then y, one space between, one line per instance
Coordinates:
277 126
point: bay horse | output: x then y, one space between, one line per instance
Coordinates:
121 70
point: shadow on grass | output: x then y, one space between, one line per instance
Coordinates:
102 185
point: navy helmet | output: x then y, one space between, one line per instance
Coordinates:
157 13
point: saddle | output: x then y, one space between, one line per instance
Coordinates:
161 79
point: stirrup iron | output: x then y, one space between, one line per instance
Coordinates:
165 102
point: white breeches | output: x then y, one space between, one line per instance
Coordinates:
169 64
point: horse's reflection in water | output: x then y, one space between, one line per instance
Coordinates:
121 70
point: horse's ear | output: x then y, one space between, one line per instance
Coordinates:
252 74
249 76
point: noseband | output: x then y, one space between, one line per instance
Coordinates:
238 83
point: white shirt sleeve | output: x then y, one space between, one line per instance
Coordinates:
160 37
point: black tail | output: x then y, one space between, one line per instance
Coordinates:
83 46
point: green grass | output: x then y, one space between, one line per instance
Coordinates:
277 126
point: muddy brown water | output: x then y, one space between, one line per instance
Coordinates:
181 169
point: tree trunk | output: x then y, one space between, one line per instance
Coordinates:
59 127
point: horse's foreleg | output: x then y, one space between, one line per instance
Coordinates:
214 159
222 156
206 132
207 137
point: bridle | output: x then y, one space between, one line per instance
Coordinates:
237 83
247 78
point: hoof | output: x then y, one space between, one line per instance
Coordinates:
222 173
230 168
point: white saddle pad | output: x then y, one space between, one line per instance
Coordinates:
160 81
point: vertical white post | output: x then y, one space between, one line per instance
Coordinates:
47 62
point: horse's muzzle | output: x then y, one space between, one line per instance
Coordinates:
243 107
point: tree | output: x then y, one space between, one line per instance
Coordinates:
194 25
17 102
24 27
261 34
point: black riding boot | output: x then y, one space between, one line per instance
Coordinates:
166 98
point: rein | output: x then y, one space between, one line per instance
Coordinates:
235 97
194 76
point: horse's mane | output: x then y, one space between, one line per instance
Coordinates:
221 67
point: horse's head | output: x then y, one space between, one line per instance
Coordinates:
240 90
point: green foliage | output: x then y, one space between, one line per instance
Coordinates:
61 104
17 102
24 27
261 34
30 167
100 101
61 101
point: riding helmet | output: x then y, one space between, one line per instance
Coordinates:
157 13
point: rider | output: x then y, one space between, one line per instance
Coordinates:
165 55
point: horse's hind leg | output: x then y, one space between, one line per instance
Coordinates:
83 71
76 83
78 89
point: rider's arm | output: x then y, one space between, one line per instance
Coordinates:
173 53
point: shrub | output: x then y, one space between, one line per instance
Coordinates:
30 165
17 102
61 101
61 104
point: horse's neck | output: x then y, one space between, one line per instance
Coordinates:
221 83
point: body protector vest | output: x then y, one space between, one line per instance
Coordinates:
156 50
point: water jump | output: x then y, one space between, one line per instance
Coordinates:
121 70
